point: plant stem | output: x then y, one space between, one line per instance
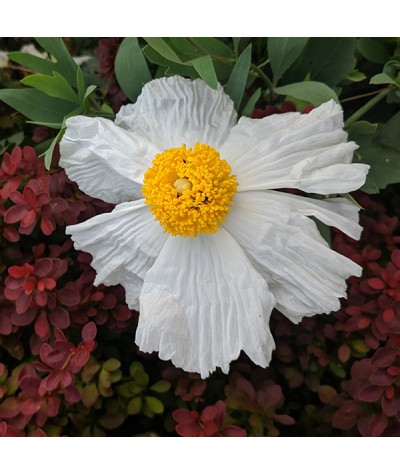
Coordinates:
263 76
360 96
366 107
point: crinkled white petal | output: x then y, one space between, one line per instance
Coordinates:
105 160
304 151
202 302
174 111
124 245
305 276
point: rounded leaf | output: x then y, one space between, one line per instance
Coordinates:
154 404
89 332
160 387
134 406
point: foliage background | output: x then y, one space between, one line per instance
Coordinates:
68 364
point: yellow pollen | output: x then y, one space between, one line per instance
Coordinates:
189 190
182 184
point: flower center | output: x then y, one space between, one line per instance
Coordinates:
189 190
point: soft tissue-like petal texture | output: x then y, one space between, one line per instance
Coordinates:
105 160
202 303
308 152
174 111
305 276
124 245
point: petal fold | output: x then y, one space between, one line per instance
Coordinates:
309 152
124 245
174 111
105 160
202 302
305 276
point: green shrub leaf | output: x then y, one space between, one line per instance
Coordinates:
282 53
131 68
238 78
38 106
66 66
154 404
54 86
311 91
204 66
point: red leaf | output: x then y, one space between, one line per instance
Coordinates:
210 428
46 226
189 429
89 332
370 393
122 313
21 320
269 396
209 413
383 357
378 424
72 394
376 284
43 267
15 214
31 406
380 377
29 218
53 406
284 419
234 431
42 328
184 415
10 408
23 303
391 407
41 299
68 296
59 317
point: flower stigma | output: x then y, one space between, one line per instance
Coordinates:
189 190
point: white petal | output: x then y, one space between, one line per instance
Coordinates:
304 275
174 111
308 152
124 245
202 303
106 161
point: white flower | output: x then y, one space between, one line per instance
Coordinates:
204 272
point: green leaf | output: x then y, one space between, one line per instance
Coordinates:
384 161
104 378
214 47
65 64
383 78
54 86
323 229
90 395
134 406
362 127
356 76
161 387
238 78
37 105
370 187
154 404
173 68
112 364
390 132
163 49
327 60
111 421
186 49
282 53
251 103
314 92
373 50
131 68
204 66
80 82
39 65
48 156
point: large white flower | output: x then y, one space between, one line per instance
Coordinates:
203 246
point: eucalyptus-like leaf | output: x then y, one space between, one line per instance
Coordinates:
311 91
238 78
131 68
54 86
204 66
282 53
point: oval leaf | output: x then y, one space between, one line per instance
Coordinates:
238 78
311 91
131 68
283 52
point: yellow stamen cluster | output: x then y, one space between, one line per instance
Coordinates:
189 190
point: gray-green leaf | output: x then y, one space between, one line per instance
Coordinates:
131 68
238 78
311 91
282 53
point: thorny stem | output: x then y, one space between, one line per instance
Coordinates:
366 107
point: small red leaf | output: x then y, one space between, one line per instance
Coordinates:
89 332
